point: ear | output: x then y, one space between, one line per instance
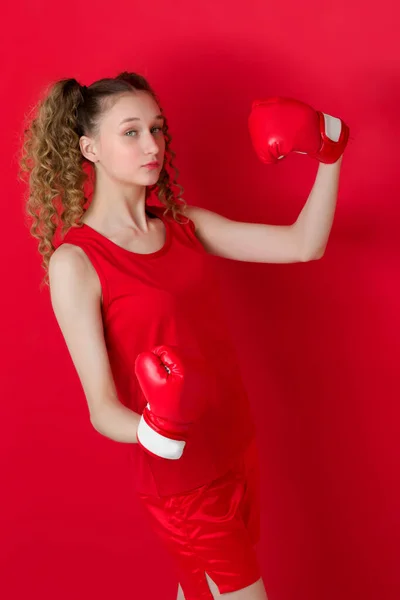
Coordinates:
88 148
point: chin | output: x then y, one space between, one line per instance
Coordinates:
142 179
152 175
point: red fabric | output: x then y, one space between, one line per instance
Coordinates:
213 529
170 297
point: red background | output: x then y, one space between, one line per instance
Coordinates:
319 342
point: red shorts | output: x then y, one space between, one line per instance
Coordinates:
213 529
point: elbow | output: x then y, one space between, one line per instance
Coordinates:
95 422
308 257
318 256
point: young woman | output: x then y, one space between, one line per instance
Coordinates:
137 302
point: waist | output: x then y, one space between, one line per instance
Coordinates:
210 453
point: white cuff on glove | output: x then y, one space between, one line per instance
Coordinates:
158 444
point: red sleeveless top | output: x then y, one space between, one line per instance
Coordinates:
170 297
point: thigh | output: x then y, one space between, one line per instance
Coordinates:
254 591
211 531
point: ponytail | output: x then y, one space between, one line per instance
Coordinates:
52 165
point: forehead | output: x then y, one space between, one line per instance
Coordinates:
138 104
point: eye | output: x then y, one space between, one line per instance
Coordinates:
156 129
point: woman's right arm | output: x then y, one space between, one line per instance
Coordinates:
75 293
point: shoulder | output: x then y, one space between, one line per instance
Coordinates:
200 221
69 266
181 220
203 218
68 255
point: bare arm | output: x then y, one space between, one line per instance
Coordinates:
76 300
302 241
249 242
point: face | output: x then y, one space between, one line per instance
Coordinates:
130 136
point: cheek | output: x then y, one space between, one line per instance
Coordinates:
123 154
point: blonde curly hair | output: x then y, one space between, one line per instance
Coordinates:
56 171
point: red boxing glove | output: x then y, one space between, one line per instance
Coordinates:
177 388
281 125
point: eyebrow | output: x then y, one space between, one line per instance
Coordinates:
128 119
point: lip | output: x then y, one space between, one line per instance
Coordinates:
152 165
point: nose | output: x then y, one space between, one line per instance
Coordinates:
150 145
